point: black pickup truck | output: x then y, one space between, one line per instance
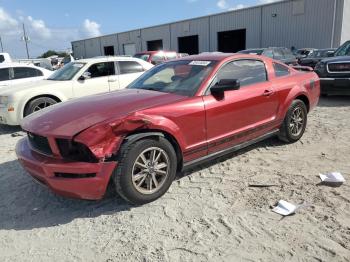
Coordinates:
335 72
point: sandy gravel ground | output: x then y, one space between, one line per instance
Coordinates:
209 214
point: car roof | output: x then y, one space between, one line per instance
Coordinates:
14 64
216 56
106 59
153 52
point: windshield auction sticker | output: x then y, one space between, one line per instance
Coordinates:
200 63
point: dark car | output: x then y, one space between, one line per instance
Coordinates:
304 52
335 72
316 56
282 54
176 115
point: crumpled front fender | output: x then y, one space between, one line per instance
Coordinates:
105 139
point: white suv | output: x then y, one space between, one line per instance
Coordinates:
76 79
16 73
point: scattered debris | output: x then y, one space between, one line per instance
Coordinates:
16 134
262 185
333 177
286 209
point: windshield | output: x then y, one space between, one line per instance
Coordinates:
303 52
344 50
178 77
142 56
67 72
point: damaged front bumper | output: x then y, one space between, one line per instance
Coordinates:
67 178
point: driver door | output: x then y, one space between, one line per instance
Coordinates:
243 114
98 81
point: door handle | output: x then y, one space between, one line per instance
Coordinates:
112 80
268 92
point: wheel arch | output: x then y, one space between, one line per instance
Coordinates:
305 99
25 105
144 133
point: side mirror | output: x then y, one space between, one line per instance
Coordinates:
84 76
225 85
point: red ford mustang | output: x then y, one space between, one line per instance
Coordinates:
174 116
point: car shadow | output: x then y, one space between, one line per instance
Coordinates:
5 129
26 205
334 101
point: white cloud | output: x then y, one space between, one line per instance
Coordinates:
239 6
222 4
7 22
42 37
38 28
267 1
91 28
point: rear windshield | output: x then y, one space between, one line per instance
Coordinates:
252 51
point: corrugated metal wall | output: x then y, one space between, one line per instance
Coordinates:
345 34
78 48
198 27
132 37
299 23
93 47
109 40
248 19
156 33
311 28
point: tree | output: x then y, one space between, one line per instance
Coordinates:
51 53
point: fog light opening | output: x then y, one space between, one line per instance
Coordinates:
75 176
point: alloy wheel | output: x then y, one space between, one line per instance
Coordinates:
42 106
297 121
150 170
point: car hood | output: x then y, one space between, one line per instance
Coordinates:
310 59
64 120
337 59
10 90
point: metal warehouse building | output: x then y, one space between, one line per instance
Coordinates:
298 23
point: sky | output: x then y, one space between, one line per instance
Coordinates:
54 24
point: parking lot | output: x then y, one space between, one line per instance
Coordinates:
210 213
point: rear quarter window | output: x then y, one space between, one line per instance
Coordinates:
25 72
130 67
280 70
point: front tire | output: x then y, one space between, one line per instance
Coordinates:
38 104
294 124
145 170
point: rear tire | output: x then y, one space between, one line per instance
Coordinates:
294 124
145 170
38 104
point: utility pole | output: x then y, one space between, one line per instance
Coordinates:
2 48
26 39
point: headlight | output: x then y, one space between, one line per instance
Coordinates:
320 66
4 100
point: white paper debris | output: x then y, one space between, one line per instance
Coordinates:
334 177
284 208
